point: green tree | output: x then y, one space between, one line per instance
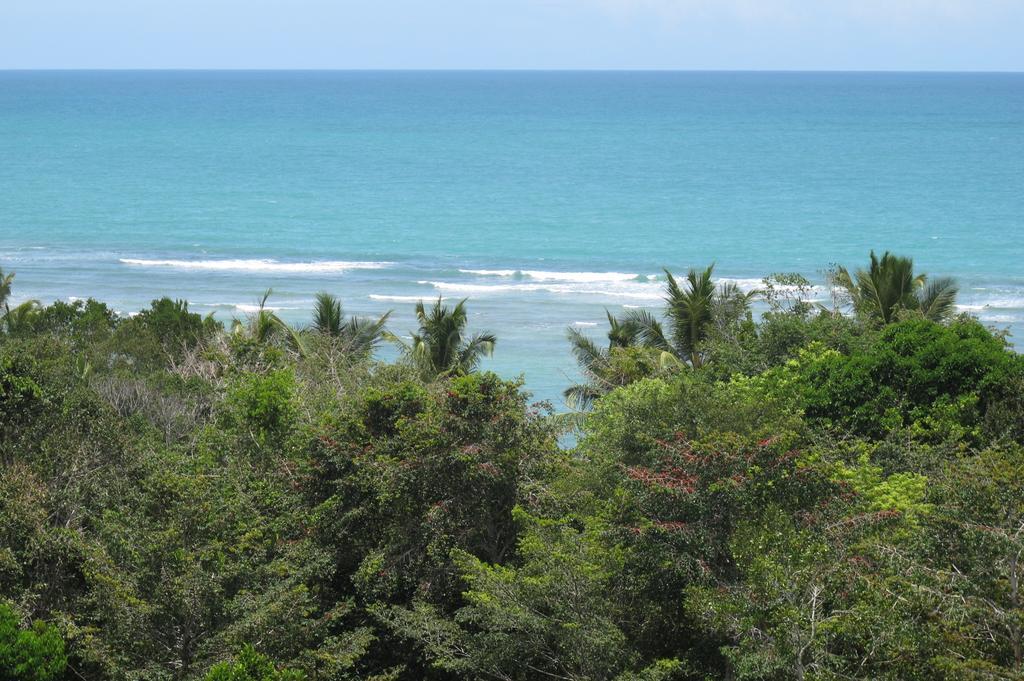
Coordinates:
440 346
22 318
939 381
975 563
552 615
265 328
171 322
889 286
691 312
604 369
6 281
33 654
356 334
21 399
250 665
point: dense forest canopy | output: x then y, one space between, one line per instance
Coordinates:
826 492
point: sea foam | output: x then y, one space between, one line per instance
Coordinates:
569 277
605 289
399 299
259 265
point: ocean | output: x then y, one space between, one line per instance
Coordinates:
545 198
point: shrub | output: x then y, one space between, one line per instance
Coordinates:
250 665
917 373
34 654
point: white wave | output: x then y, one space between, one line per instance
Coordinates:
621 289
569 277
587 324
250 307
253 307
259 265
758 285
743 284
400 299
492 273
993 304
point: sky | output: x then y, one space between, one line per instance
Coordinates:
941 35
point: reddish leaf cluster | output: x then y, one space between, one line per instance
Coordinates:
673 477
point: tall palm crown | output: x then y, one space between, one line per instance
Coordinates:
328 317
596 362
21 318
358 335
440 347
6 280
890 286
265 327
691 310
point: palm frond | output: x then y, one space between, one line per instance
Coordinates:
690 312
328 316
581 396
20 319
438 347
479 346
6 282
649 332
363 335
587 353
937 299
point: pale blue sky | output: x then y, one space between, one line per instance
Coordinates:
601 34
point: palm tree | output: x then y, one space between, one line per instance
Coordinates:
440 347
328 317
596 363
20 318
265 327
6 280
359 335
692 310
889 286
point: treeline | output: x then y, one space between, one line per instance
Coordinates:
832 491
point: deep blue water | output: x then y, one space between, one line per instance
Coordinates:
385 187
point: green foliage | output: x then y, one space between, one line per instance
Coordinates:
778 617
33 654
917 374
263 405
973 566
356 335
84 321
19 395
440 346
550 615
901 492
811 496
251 666
889 287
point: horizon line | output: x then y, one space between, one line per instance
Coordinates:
495 70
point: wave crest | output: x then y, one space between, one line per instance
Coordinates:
258 265
568 277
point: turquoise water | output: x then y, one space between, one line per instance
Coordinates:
543 197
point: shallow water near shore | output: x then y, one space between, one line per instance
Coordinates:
545 198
